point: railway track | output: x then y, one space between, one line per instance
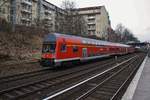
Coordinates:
23 75
37 73
32 74
108 85
29 88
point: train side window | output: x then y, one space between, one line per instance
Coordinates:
63 48
75 49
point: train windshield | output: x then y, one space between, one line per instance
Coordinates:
49 48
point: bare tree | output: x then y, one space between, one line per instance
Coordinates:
124 34
128 36
71 22
119 30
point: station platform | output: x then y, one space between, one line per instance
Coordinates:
139 88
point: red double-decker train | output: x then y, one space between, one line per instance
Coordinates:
59 48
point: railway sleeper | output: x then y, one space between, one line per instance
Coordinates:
7 96
34 88
97 97
19 92
26 90
92 98
103 93
45 84
110 83
40 85
109 89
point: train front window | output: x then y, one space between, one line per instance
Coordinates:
49 48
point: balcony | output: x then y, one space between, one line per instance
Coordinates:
35 0
47 18
49 24
91 29
26 2
26 19
91 17
91 23
48 11
26 10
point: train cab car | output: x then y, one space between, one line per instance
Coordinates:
48 50
59 48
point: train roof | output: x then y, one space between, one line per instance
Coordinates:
53 36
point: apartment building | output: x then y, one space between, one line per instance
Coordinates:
5 10
34 11
49 13
97 20
31 12
21 12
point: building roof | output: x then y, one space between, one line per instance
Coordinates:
55 7
90 8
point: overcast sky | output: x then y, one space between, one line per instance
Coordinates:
133 14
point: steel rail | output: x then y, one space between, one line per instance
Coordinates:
83 82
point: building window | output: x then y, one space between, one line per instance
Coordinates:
0 10
3 11
8 17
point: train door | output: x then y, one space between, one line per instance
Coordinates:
84 52
126 50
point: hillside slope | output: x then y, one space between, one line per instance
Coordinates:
18 46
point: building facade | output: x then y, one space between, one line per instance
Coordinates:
32 12
97 20
5 10
48 14
23 12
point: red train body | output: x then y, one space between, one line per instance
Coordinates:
59 48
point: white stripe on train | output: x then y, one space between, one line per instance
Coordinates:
84 58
